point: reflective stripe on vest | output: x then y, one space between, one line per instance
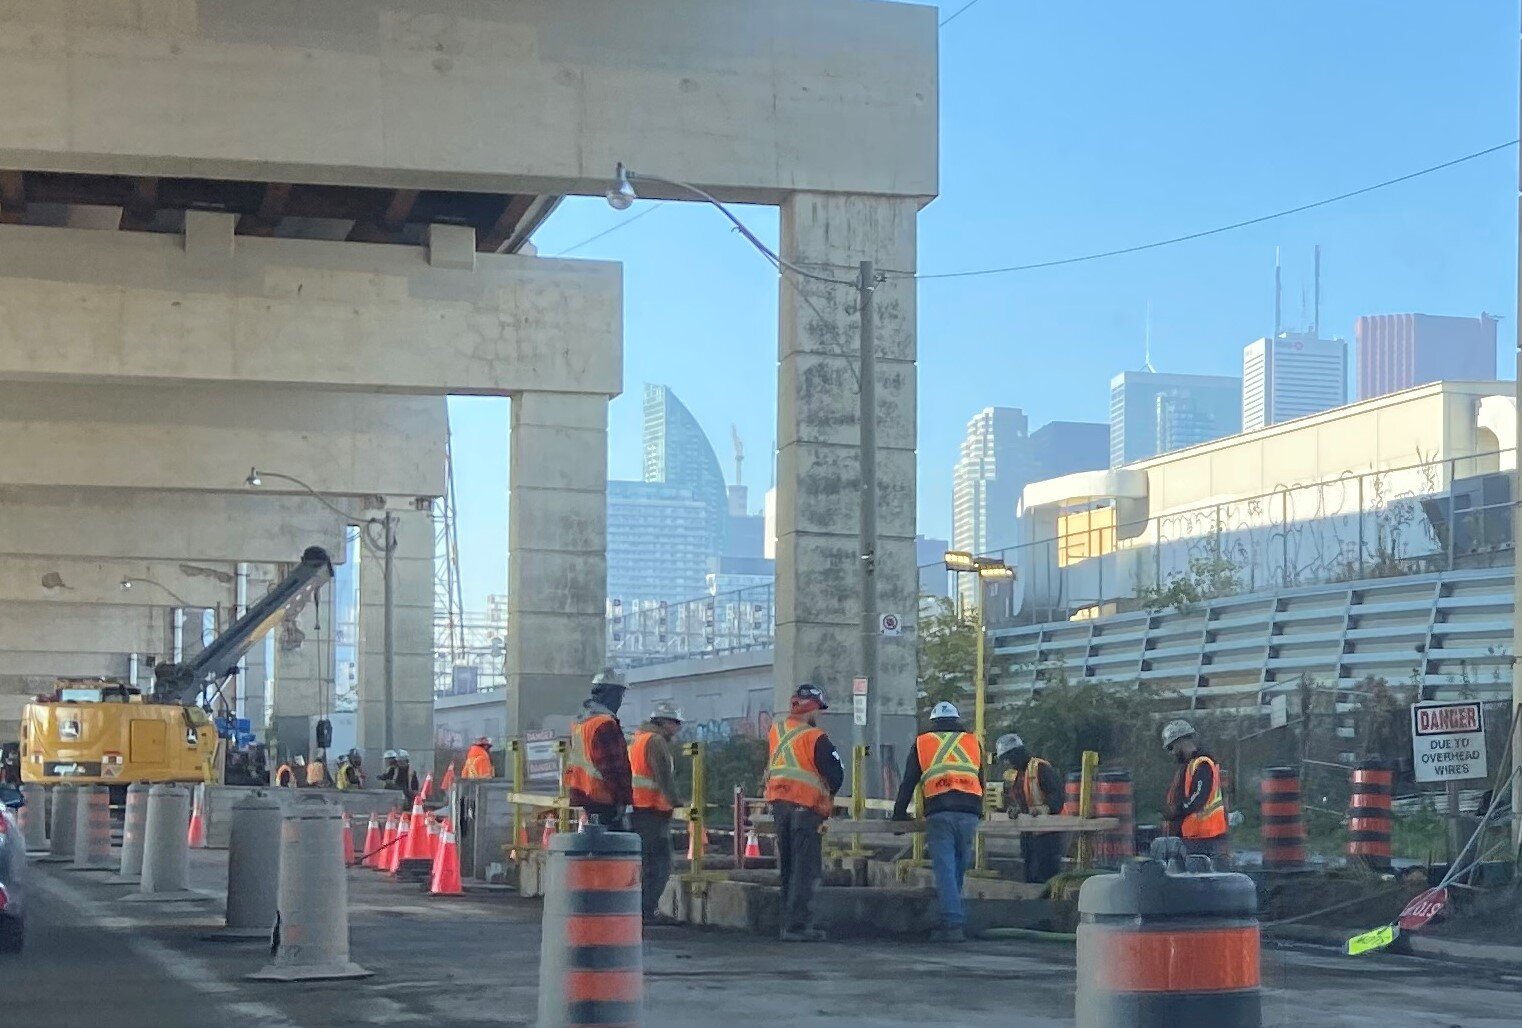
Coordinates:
949 762
1209 822
791 774
647 792
580 773
1030 785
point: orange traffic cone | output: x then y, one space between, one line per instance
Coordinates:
394 854
372 841
692 844
548 833
448 781
427 786
195 837
752 844
445 879
582 822
415 859
434 830
388 844
348 841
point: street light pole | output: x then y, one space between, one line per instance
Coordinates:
871 626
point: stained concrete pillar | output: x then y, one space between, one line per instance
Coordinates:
557 567
819 606
303 678
412 695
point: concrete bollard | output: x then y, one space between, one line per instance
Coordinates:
166 857
311 938
92 829
253 868
591 969
1168 942
134 830
61 842
33 817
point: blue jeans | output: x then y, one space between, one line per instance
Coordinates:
949 836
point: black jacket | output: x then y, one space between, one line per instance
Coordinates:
946 802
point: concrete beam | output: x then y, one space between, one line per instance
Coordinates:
207 437
752 100
87 306
68 580
156 526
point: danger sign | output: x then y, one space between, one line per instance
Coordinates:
1448 741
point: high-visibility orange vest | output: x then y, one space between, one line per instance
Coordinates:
581 775
284 776
647 794
791 774
1209 822
949 762
477 763
1030 784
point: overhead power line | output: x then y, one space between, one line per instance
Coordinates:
958 13
625 223
1225 228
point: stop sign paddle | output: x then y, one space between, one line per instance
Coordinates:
1422 909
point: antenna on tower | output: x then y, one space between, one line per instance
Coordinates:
1147 344
734 435
1316 306
1278 296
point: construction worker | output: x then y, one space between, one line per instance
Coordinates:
351 771
406 778
285 778
478 760
597 775
1196 808
654 780
803 774
1031 786
946 762
317 770
388 777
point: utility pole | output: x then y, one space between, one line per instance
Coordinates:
1516 578
871 733
389 630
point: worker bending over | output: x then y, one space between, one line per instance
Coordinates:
654 769
946 762
803 774
1031 786
597 776
1196 807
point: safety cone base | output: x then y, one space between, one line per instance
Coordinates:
182 896
321 973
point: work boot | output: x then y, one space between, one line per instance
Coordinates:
952 935
802 935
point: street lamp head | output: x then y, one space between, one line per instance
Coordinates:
960 560
621 194
252 481
126 584
995 571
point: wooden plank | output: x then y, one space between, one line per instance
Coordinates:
1023 825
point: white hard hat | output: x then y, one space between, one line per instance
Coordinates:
944 710
1173 731
666 711
403 755
389 755
1007 742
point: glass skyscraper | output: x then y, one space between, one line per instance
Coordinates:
1152 413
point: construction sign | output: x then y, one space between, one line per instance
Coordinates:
1448 741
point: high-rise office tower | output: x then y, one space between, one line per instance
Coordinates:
678 453
1063 447
1398 351
1152 412
993 469
1290 376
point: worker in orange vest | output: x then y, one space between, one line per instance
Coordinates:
1196 810
803 774
946 762
654 769
1031 786
597 775
478 760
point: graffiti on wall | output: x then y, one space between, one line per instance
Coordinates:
721 729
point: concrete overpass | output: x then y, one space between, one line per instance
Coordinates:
279 235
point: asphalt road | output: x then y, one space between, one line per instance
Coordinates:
93 961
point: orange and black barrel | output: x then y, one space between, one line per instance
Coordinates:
1113 798
1072 788
1369 822
1283 819
591 969
1161 945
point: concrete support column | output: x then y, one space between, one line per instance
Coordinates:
412 628
819 606
303 678
557 567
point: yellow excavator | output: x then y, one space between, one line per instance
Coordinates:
102 731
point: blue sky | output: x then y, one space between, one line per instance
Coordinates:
1072 128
